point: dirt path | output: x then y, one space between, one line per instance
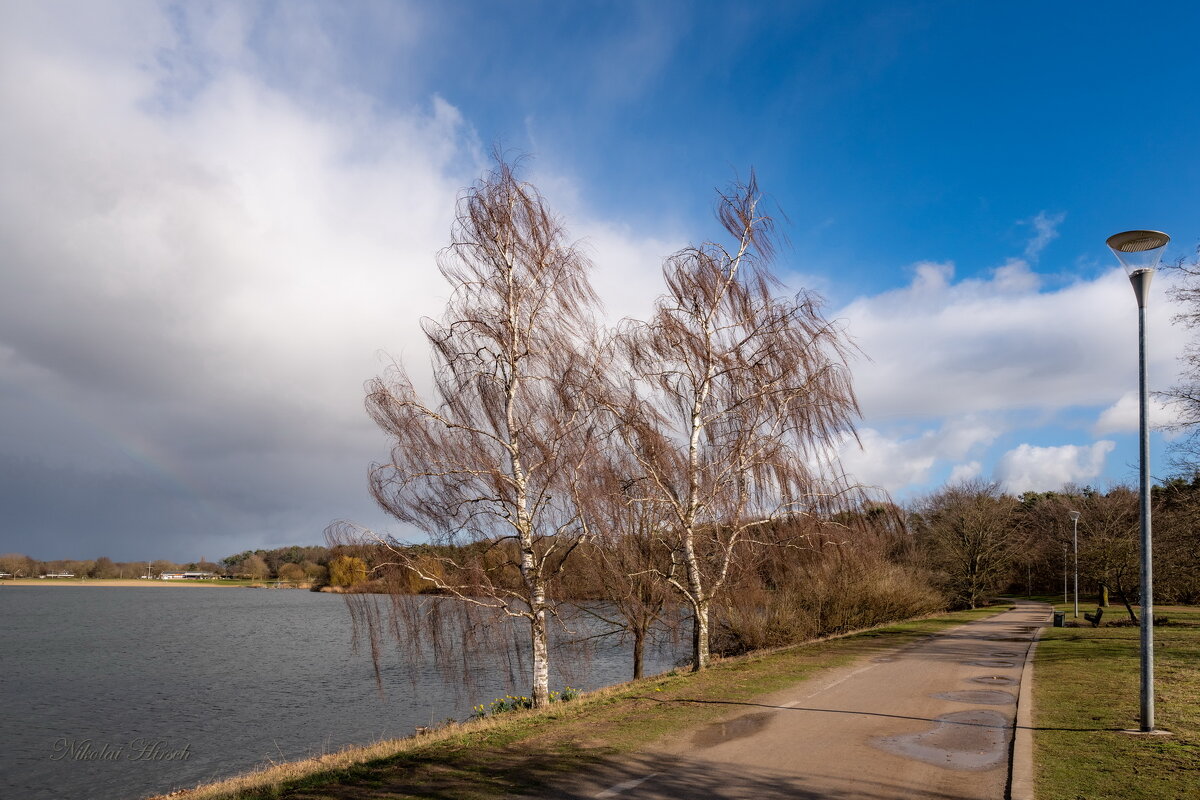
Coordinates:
932 720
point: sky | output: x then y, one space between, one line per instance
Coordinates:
218 220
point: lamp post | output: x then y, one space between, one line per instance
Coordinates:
1075 545
1064 573
1139 252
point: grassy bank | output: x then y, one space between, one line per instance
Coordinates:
1086 692
523 751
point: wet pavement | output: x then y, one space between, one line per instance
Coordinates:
931 720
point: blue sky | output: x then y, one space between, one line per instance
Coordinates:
217 216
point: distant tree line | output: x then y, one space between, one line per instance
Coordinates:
805 577
980 540
24 566
314 565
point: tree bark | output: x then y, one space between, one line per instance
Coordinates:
639 648
541 659
1121 593
700 650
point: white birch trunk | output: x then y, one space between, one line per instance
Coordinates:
700 636
541 656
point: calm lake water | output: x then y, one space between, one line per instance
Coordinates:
126 692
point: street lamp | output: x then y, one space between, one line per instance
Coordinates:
1075 544
1064 573
1139 252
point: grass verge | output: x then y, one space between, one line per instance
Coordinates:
525 752
1086 684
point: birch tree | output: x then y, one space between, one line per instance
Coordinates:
735 395
494 461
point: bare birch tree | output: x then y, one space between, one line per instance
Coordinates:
734 394
495 459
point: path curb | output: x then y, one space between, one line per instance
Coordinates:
1021 776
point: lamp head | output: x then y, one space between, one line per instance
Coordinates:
1074 516
1138 250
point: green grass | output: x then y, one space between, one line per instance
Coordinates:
526 752
1086 684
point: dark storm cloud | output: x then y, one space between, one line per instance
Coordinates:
195 290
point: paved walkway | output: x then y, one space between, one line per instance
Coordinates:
931 720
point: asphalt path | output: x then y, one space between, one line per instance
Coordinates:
931 720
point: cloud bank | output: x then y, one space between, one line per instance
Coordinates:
209 245
981 360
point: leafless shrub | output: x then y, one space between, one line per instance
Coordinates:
848 583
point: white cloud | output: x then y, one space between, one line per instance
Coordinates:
932 277
1015 277
895 463
965 472
1030 468
1045 230
1123 416
887 463
944 348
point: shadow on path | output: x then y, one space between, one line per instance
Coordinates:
554 773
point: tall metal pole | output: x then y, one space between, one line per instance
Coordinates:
1139 253
1141 287
1075 544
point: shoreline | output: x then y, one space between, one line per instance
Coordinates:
132 582
616 719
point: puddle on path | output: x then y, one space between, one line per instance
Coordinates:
1005 654
720 732
994 680
964 740
982 697
992 663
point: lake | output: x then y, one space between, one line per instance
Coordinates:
126 692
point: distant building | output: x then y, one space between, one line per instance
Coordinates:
191 576
59 575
